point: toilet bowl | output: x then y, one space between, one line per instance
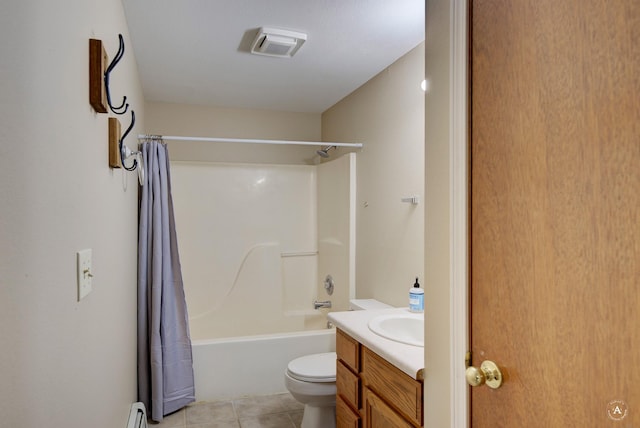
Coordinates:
311 380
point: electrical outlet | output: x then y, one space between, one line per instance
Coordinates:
84 273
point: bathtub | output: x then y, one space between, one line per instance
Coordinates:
252 365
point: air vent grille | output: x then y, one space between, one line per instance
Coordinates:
277 42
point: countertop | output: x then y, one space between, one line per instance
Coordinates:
408 358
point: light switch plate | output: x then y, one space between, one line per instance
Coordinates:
84 273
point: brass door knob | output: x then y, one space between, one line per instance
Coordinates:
488 373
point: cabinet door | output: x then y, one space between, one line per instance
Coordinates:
377 414
393 386
345 416
348 350
348 385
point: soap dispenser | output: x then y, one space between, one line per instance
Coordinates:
416 298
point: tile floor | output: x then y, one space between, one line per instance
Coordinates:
269 411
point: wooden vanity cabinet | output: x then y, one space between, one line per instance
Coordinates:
371 392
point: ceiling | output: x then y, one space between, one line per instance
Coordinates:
196 51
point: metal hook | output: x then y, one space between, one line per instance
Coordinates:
125 152
122 108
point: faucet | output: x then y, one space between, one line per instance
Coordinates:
324 304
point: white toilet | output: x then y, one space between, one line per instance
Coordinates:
311 380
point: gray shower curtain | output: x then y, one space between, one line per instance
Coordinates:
165 363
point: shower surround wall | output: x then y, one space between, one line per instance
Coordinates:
249 244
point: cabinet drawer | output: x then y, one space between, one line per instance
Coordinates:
392 385
345 416
348 385
377 414
348 350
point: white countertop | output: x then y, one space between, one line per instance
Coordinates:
408 358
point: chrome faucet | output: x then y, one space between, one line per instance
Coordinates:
324 304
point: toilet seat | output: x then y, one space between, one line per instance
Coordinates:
320 368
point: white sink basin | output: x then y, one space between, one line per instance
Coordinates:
405 328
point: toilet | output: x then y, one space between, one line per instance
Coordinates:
311 379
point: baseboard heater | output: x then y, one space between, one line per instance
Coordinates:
137 416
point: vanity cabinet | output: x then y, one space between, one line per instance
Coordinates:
371 392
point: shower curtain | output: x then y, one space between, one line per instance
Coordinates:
165 363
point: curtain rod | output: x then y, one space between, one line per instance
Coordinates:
249 140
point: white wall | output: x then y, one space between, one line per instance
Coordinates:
437 213
208 121
387 115
64 363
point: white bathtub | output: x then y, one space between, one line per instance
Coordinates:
252 365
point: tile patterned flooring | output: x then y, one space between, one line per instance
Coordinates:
268 411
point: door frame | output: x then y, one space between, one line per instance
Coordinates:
459 214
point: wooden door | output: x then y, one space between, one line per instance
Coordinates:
555 211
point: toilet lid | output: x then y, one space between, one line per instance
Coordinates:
314 368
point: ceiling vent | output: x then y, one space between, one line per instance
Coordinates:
277 42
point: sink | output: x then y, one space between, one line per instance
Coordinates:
405 328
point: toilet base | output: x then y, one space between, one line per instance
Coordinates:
319 416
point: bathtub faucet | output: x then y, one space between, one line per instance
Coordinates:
324 304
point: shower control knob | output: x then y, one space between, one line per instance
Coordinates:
328 285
